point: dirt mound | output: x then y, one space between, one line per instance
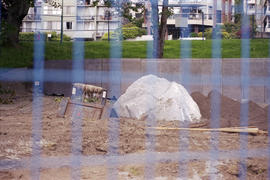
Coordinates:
201 101
230 110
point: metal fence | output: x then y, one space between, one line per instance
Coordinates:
150 157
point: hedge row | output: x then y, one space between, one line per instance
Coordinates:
129 31
30 36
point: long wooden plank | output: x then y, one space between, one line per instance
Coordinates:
252 130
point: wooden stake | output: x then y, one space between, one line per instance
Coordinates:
251 130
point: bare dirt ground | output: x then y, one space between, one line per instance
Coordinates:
192 146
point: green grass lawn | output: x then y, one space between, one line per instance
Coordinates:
22 56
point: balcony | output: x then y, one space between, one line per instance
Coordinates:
104 18
86 18
251 1
193 19
188 3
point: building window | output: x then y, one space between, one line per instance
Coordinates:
45 10
251 6
218 16
28 27
49 25
68 10
210 11
86 25
69 25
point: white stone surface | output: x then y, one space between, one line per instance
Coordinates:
158 98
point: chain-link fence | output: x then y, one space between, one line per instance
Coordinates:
128 148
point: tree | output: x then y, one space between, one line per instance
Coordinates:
159 29
13 13
163 27
124 8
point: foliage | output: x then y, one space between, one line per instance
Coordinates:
237 18
26 36
208 33
56 37
3 33
53 3
235 28
130 31
29 36
124 8
193 34
225 35
113 36
228 31
13 12
232 29
138 22
168 12
7 95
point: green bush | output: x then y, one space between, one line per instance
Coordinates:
26 36
130 31
3 33
208 33
193 34
232 29
113 36
142 31
29 36
138 22
57 37
226 35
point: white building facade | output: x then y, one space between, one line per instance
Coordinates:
195 15
266 15
80 19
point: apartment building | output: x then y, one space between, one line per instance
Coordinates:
80 19
250 6
266 15
195 15
227 10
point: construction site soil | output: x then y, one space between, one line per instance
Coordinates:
133 135
230 110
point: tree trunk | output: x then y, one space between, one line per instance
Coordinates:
15 14
163 27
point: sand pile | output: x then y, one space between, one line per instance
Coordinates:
151 96
230 111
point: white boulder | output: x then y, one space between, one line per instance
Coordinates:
157 97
